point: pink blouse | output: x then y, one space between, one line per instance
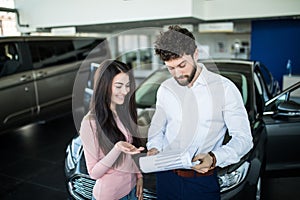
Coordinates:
111 183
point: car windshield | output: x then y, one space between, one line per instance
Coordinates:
146 93
240 82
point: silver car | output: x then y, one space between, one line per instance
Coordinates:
37 75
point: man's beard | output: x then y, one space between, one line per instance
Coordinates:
187 79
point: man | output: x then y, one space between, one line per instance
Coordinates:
194 109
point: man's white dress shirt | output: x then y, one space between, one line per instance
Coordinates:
195 119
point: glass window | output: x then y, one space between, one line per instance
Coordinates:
9 59
146 93
50 53
291 96
259 79
267 76
240 82
295 96
90 47
272 85
136 51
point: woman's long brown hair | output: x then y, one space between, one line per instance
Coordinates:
107 132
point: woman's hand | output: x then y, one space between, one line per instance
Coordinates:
139 188
128 148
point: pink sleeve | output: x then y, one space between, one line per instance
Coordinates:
97 163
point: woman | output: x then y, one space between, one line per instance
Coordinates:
109 134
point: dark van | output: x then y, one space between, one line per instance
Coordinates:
37 75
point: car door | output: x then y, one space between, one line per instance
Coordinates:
17 89
55 66
282 118
272 84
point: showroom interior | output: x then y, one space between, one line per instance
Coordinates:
34 154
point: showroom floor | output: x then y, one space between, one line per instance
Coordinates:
32 164
32 161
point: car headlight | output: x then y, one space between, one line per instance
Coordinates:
73 153
230 180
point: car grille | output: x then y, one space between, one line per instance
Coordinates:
82 188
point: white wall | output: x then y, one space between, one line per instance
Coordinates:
239 9
47 13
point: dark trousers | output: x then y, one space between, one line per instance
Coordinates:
170 186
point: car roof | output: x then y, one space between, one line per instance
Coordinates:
36 38
245 63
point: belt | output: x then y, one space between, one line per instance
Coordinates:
188 173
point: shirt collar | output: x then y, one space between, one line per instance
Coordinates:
201 78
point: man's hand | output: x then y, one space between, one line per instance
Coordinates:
128 148
152 152
206 162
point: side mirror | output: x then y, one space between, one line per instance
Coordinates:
289 109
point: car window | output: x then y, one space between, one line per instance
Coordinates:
51 53
239 73
240 82
267 77
272 85
293 96
93 69
258 84
259 93
146 93
9 59
259 80
89 46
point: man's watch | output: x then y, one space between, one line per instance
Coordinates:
212 155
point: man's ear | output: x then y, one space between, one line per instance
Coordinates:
196 54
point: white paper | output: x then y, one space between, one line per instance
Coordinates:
166 161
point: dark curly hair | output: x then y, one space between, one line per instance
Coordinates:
174 43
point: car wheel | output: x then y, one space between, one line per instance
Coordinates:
258 189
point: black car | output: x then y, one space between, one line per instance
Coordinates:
274 118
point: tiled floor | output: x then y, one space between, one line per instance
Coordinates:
32 165
282 185
32 161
